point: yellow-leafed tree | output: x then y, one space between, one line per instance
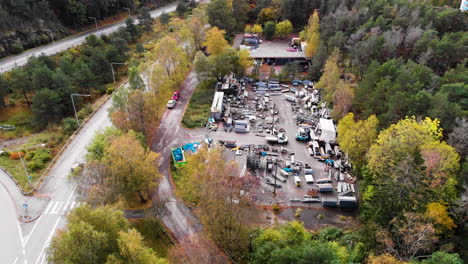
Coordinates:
311 35
215 41
356 137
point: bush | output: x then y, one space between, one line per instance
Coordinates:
85 111
15 155
276 208
42 155
16 48
110 90
69 125
35 165
269 30
331 233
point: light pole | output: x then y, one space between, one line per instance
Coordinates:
276 175
21 158
112 68
52 34
73 102
128 10
95 22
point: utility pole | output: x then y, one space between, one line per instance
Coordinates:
112 68
276 170
128 10
73 102
95 22
52 34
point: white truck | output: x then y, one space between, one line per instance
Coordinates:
281 138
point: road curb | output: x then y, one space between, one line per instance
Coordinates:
58 155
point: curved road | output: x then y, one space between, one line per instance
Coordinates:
9 228
178 218
12 62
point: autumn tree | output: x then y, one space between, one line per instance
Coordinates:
384 259
90 237
311 35
284 28
130 169
100 141
215 41
439 214
100 235
126 170
248 29
257 29
342 99
356 137
215 185
133 250
331 77
134 79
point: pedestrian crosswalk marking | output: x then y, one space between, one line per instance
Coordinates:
60 207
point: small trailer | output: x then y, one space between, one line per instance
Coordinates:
297 181
309 178
178 157
325 187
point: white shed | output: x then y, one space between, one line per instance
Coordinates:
327 128
217 106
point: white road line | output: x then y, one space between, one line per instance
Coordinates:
48 207
54 207
16 260
53 229
20 234
64 210
52 232
57 210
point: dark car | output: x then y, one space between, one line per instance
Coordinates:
230 144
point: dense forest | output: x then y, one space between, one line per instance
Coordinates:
395 75
25 24
45 83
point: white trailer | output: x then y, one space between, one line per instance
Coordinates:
309 178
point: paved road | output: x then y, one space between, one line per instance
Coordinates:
9 228
179 219
61 190
66 43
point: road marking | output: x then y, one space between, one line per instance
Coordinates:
53 229
16 260
57 208
65 207
48 207
48 240
20 235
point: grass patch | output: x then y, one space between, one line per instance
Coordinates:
198 109
154 235
36 160
21 117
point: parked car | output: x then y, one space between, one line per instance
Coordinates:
171 104
175 96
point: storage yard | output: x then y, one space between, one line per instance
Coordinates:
281 135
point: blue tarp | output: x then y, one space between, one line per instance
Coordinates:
191 146
288 169
178 156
